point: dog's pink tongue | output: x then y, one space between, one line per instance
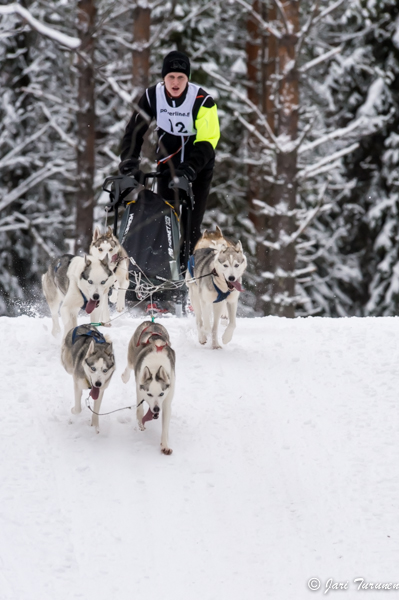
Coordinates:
149 416
94 392
115 258
237 286
90 306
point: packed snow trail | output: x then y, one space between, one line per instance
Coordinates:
284 467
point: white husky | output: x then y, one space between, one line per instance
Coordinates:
88 356
153 361
76 282
214 280
107 244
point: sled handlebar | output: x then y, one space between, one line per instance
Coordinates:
121 185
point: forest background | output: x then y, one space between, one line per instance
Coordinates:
307 168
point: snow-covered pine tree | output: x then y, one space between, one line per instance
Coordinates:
341 237
365 83
35 158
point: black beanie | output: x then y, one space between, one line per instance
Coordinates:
176 62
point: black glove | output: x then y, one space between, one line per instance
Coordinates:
130 166
185 170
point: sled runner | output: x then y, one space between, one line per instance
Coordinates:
150 231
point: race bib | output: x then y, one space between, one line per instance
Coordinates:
177 121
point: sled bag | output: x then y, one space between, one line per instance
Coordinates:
149 233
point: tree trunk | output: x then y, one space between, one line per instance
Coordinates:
284 200
261 67
141 52
86 127
141 64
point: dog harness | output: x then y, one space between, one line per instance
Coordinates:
85 301
57 266
190 265
140 343
220 295
91 333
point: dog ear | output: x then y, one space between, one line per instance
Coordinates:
238 246
162 375
108 347
91 348
96 233
146 375
87 261
219 231
205 233
109 232
105 261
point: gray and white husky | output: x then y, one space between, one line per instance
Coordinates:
106 244
214 281
76 282
153 360
88 356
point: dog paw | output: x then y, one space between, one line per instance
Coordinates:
216 346
75 411
202 338
120 307
113 297
141 426
125 375
226 337
167 451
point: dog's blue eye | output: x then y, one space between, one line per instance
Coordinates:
102 283
161 394
236 266
105 370
89 281
149 394
93 368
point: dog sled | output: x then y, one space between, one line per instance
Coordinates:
149 229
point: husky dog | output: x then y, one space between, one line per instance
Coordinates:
76 282
107 244
218 271
88 356
153 361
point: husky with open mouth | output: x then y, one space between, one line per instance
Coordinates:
107 244
88 356
214 280
153 360
76 282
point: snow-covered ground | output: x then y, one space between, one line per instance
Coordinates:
285 468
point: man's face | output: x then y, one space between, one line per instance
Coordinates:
175 83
